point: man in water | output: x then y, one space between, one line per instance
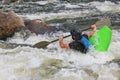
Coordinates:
80 41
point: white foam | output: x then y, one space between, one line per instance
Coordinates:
60 15
106 6
68 5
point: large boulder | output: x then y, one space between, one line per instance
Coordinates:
39 27
9 23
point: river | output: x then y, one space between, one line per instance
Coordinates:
54 63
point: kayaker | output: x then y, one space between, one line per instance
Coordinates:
80 41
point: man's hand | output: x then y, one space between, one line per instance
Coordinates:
93 27
60 39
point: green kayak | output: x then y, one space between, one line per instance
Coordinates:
101 39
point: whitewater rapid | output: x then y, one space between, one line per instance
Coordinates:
54 63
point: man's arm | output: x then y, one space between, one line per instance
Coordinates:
62 45
93 27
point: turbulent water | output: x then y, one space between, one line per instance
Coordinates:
54 63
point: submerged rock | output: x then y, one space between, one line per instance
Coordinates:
6 45
115 61
9 23
13 0
10 1
38 27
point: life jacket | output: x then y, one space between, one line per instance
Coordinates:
85 42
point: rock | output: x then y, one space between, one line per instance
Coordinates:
39 27
13 0
7 45
9 23
9 1
115 61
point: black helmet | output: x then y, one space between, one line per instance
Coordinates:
76 33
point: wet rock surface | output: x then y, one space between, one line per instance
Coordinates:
9 23
39 27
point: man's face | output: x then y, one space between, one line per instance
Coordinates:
75 37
